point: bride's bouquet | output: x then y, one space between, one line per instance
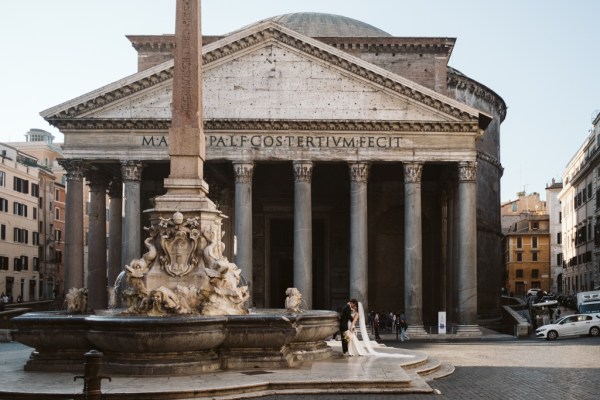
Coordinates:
348 335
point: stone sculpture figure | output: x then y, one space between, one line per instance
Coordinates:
76 300
194 276
293 300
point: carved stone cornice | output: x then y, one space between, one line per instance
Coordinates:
341 125
109 124
467 171
114 95
483 156
462 82
413 172
243 171
75 168
303 171
359 171
131 170
271 125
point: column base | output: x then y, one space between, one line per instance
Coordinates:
468 330
416 331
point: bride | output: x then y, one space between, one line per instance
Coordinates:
364 348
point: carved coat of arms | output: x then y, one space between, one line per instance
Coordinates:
179 240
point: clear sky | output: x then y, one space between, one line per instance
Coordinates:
541 56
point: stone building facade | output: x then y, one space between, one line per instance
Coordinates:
580 199
350 162
19 215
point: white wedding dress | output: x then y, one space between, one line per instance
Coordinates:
363 347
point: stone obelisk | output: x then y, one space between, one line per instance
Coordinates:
186 189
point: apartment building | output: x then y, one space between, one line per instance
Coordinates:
580 203
19 216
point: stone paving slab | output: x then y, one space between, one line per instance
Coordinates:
340 374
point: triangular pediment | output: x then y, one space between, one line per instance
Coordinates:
267 72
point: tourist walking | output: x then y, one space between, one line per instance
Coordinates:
403 327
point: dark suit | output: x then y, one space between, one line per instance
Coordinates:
345 317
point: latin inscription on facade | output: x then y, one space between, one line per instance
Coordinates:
289 141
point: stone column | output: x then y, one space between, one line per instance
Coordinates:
413 249
115 194
74 258
243 219
303 231
467 249
96 277
131 172
359 274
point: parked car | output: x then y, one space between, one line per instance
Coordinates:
533 292
571 325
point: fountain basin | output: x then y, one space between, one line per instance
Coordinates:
59 340
143 345
175 344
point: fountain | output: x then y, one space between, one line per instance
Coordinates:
185 301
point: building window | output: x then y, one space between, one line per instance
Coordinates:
535 225
57 235
57 214
17 264
514 207
519 257
20 235
35 238
519 273
56 195
20 209
534 256
24 263
519 242
559 238
2 232
590 190
21 185
36 264
4 263
2 178
534 242
35 189
535 273
3 205
559 259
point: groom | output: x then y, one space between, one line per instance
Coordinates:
345 317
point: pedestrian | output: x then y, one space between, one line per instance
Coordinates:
376 321
403 327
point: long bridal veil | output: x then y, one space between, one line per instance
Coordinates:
367 342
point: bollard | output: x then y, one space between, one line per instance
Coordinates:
92 379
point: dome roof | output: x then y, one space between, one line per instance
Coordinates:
327 25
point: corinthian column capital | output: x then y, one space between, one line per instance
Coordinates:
131 170
75 168
467 171
243 171
359 171
303 171
413 172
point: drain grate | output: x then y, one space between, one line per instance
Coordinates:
256 372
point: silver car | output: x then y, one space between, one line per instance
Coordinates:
571 325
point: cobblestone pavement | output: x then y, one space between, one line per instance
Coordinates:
528 369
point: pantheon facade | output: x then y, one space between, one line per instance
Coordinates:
351 163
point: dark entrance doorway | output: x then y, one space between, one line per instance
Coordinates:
281 257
